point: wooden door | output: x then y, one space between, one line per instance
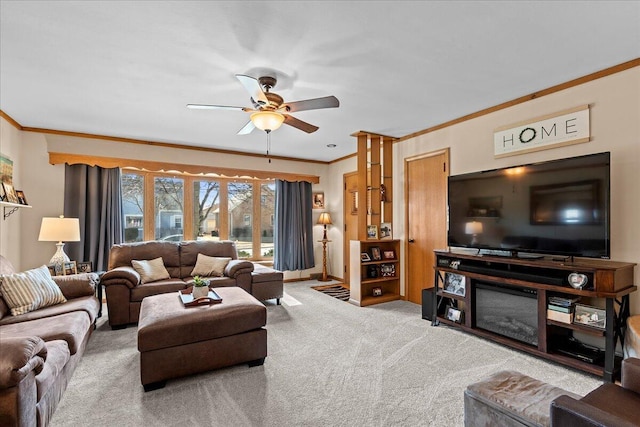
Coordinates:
426 219
350 198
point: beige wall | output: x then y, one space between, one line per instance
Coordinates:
615 127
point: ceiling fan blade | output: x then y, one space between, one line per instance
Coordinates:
297 123
247 129
312 104
215 107
252 86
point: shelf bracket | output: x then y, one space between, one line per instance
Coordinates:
8 214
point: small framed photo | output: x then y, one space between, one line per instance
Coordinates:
9 193
365 257
52 270
85 267
21 198
590 316
387 270
318 200
454 284
375 253
69 268
377 291
385 231
372 232
389 254
453 314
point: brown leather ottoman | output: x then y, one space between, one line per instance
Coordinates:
175 341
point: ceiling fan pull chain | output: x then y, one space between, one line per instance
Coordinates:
268 145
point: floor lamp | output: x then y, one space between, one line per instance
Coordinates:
325 219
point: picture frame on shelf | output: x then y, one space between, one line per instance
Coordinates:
387 270
70 268
455 284
385 231
453 314
372 232
9 193
377 291
376 254
372 271
85 267
318 200
365 257
389 254
21 198
3 197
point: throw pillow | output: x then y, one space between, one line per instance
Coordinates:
209 266
30 290
150 270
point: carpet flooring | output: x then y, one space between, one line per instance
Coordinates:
335 291
328 364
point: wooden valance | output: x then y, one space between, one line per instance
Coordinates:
151 166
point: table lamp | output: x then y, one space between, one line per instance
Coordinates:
59 230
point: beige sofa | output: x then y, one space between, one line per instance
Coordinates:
125 290
41 349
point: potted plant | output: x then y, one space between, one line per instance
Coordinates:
200 287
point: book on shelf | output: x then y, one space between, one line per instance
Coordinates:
563 301
561 309
559 316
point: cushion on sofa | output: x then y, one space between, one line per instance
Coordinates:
150 270
210 266
30 290
161 286
77 285
70 327
89 305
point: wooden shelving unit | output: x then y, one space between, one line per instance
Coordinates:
361 284
609 282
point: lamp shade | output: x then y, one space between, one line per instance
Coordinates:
473 227
59 230
267 120
325 218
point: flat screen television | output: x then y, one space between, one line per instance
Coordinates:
558 207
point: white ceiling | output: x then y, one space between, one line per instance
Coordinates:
128 68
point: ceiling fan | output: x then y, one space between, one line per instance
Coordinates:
269 109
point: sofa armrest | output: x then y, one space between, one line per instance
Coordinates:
20 355
236 267
121 276
567 411
77 285
631 374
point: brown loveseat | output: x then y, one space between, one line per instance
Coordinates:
40 350
125 291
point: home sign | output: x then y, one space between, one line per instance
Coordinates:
553 130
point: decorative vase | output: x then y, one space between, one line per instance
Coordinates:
199 292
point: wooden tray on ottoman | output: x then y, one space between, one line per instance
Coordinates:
187 298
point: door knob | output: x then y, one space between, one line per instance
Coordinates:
411 240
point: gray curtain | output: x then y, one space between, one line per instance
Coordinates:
293 229
93 195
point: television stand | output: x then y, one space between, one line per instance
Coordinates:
609 284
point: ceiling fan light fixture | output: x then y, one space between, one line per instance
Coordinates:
267 120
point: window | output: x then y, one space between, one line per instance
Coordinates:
240 205
216 209
133 206
168 199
